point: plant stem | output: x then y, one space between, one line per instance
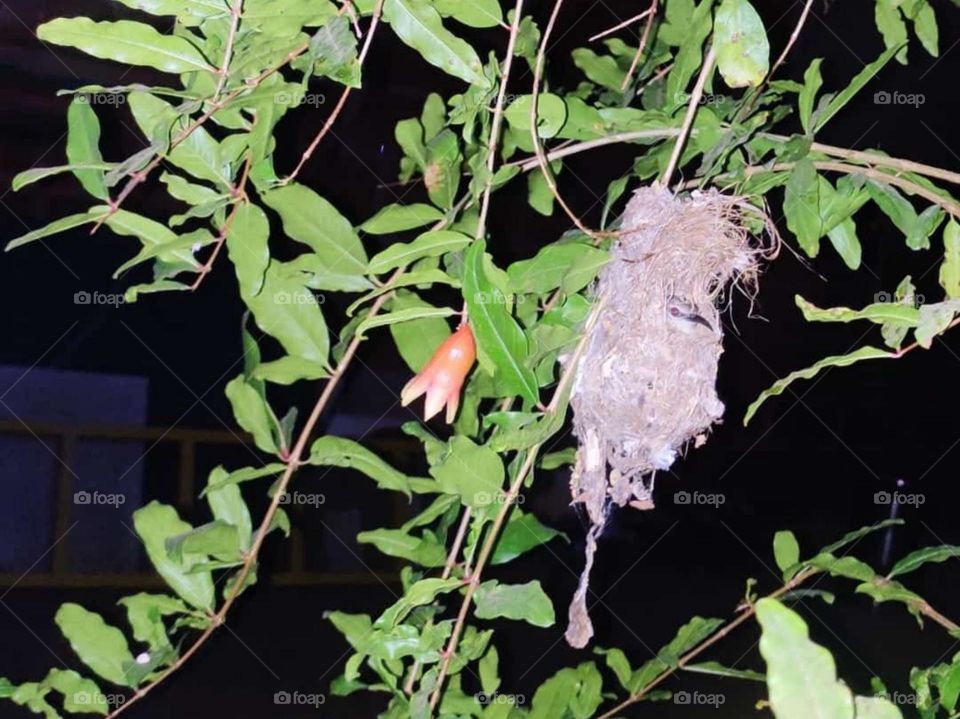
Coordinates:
535 127
494 138
292 463
692 107
746 614
341 103
505 507
235 11
651 16
136 178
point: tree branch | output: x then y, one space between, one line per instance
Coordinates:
692 107
651 16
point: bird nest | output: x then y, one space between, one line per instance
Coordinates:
645 385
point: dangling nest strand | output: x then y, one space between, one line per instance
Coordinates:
646 383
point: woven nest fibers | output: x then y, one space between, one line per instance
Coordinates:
646 382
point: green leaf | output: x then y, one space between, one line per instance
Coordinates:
417 339
342 452
217 538
950 269
419 25
404 315
189 12
859 81
601 69
718 670
145 614
397 543
130 43
288 311
35 174
878 313
80 695
934 320
917 559
220 477
100 646
472 471
778 387
252 413
846 566
429 244
227 505
441 174
812 81
501 343
786 550
399 218
527 602
83 145
154 524
476 13
801 205
61 225
248 248
310 219
570 266
312 271
891 25
418 594
551 114
289 369
521 534
801 675
858 534
743 52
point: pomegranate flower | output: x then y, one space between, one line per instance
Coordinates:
442 377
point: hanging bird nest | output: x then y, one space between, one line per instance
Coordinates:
645 386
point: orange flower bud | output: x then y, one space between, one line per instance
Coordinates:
442 377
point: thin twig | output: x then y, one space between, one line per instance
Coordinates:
506 504
136 178
239 193
620 26
341 103
644 39
691 114
746 614
235 11
535 127
748 105
494 138
866 157
293 461
447 571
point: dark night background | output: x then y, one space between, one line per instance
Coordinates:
811 461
